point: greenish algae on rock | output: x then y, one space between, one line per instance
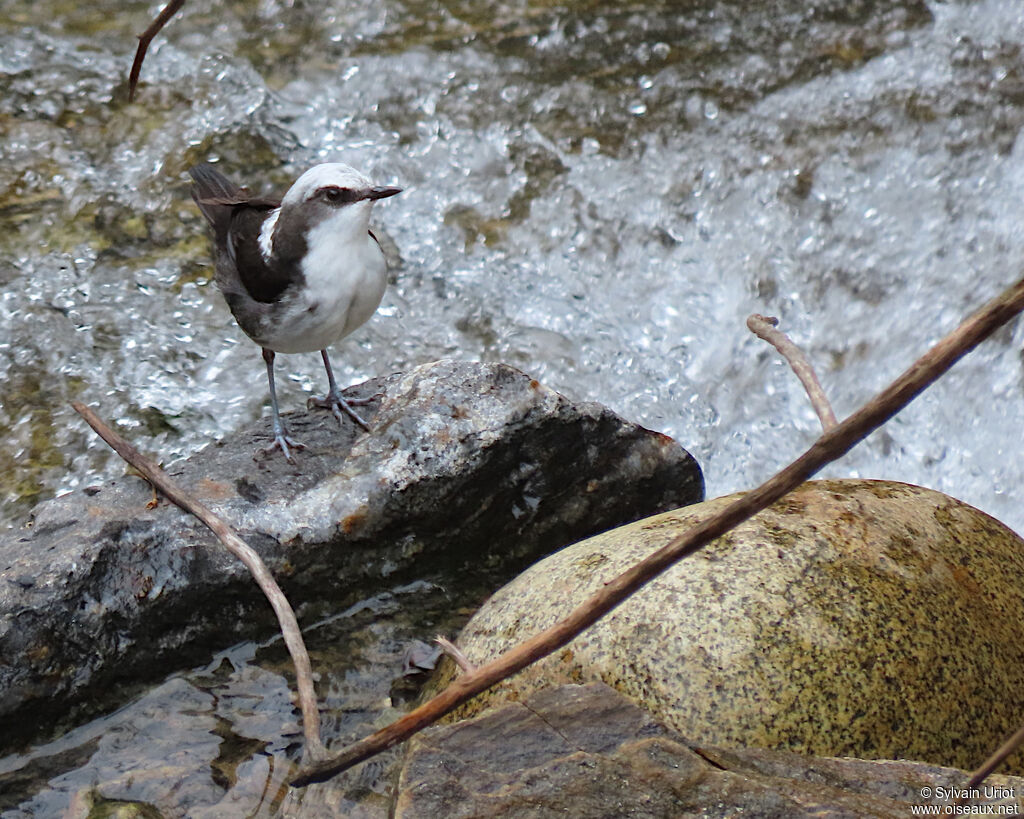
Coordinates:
853 618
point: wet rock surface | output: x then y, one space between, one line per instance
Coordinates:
586 751
852 618
467 464
224 739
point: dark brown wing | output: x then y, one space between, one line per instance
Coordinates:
264 282
237 218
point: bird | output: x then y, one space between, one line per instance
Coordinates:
298 274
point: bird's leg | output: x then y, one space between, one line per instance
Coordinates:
334 402
281 439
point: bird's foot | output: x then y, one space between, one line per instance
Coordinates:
340 407
282 442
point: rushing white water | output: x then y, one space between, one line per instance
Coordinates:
597 194
583 199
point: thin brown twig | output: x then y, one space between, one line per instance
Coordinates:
997 759
830 446
453 651
765 327
240 549
153 502
168 11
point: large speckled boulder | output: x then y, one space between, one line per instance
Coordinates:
852 618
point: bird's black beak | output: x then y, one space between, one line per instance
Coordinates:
381 193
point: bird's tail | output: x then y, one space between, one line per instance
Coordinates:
215 195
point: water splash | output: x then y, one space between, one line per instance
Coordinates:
864 190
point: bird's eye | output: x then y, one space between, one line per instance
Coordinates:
338 196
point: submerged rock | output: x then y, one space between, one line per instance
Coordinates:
587 751
852 618
467 463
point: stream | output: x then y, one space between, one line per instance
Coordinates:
596 193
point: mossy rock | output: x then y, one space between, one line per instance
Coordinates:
852 618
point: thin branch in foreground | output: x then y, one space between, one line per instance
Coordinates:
830 446
453 651
766 328
997 759
153 502
239 548
168 11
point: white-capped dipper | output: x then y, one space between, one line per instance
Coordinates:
299 274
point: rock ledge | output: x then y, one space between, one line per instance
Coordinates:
466 463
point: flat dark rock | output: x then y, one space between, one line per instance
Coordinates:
466 463
586 751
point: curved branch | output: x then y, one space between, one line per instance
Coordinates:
168 11
453 651
997 759
765 327
830 446
240 549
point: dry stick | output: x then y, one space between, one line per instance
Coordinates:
831 445
764 327
145 39
996 759
453 651
240 549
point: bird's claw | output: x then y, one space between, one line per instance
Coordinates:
340 407
283 443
